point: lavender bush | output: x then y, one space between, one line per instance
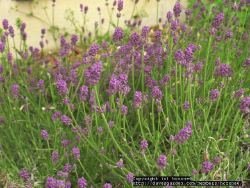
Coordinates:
167 100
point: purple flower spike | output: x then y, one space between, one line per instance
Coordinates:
44 134
74 39
214 94
120 5
54 156
93 74
156 93
135 39
82 182
120 164
218 20
247 63
65 120
223 70
177 9
15 90
56 115
162 161
93 50
145 31
107 185
61 86
239 93
138 99
184 133
245 105
130 177
84 93
50 182
144 145
169 16
5 24
118 34
186 105
124 110
25 174
207 166
76 153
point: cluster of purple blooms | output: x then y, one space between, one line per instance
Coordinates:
119 84
223 70
184 134
93 73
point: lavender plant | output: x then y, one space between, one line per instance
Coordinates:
174 100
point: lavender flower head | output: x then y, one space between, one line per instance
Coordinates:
186 105
162 161
130 177
56 115
76 153
44 134
169 16
143 145
218 20
5 24
214 94
40 84
207 166
239 93
247 63
74 39
93 74
118 34
120 5
24 174
93 50
120 164
82 183
177 9
54 156
157 93
84 93
135 39
124 110
245 105
145 31
223 70
65 120
138 99
61 86
119 84
107 185
184 134
60 183
15 89
50 182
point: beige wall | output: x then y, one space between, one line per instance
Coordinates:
7 10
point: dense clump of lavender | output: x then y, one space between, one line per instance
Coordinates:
98 110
